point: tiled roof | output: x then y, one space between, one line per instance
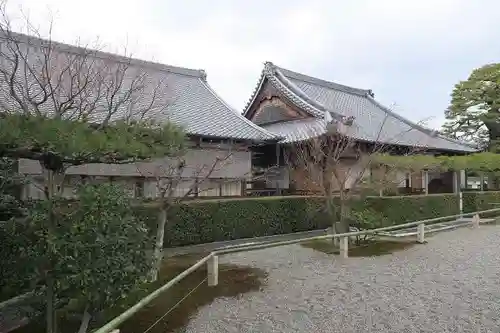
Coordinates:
371 121
186 98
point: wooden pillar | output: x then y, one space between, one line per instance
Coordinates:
243 187
425 181
461 203
463 179
196 188
277 154
456 182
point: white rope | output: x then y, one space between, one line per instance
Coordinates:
175 306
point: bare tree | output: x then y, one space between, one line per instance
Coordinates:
176 180
75 105
40 77
338 165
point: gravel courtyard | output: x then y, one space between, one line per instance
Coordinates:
451 284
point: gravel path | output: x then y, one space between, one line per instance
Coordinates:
451 284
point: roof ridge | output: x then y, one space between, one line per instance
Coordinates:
74 49
428 131
244 119
276 72
255 92
321 82
291 91
444 137
399 117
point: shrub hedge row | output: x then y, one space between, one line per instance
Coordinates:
477 201
203 222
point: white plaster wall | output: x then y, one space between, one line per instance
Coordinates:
280 178
401 178
236 164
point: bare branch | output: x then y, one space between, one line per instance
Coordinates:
45 77
336 164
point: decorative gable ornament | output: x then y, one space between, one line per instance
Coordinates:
348 121
332 127
328 117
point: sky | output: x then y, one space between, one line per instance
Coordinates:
410 53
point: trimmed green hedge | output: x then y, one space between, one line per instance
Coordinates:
405 209
204 222
477 201
211 221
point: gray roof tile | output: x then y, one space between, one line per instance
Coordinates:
372 120
186 99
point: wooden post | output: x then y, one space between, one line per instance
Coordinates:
344 246
278 155
461 204
426 181
421 233
213 271
456 182
243 187
475 221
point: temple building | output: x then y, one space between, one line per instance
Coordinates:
298 107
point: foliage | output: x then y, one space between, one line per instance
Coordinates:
10 185
368 219
473 114
78 142
477 201
97 251
20 260
100 248
205 222
87 109
410 208
482 162
12 231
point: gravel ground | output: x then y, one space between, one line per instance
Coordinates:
451 284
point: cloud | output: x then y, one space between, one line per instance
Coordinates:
409 52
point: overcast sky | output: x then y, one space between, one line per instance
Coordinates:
408 52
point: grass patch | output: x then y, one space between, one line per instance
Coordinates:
325 246
233 281
370 249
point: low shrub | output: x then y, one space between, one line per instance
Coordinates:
211 221
405 209
477 201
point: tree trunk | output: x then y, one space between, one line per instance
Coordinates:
84 325
49 303
343 226
50 294
330 211
158 248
